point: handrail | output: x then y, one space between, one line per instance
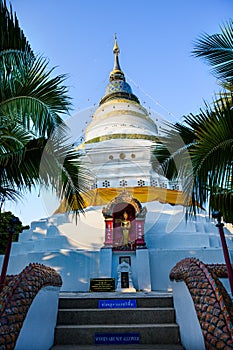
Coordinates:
17 297
212 303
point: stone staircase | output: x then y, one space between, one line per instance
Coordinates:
81 324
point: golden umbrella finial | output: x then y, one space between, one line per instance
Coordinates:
116 49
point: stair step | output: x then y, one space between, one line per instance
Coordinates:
116 316
80 320
120 347
92 303
149 333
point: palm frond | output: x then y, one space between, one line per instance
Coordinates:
62 168
32 100
171 154
217 51
8 193
207 136
11 35
212 157
52 163
29 94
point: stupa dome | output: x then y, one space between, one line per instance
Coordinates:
120 119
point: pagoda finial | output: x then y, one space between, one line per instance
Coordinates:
117 87
116 73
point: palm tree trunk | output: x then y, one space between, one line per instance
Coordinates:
13 221
6 259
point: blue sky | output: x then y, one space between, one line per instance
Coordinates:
155 38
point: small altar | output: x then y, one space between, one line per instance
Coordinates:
125 245
124 223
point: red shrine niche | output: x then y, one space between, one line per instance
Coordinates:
124 223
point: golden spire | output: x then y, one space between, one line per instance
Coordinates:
116 52
116 47
117 87
116 73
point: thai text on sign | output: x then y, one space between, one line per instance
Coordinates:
117 304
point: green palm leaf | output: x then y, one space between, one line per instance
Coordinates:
32 100
61 167
212 155
171 156
10 194
217 50
29 94
208 143
50 163
11 35
207 137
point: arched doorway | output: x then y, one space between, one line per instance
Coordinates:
124 222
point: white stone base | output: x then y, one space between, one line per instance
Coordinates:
143 270
126 290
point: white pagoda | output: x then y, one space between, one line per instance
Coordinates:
134 222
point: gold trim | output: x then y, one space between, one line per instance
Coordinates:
98 118
123 111
122 136
102 196
120 100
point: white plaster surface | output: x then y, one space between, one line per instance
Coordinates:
163 260
143 270
120 116
37 332
105 262
186 317
75 250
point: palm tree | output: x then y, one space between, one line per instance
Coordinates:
31 105
207 137
33 143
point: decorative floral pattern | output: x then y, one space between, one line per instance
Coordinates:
118 86
212 303
123 197
17 297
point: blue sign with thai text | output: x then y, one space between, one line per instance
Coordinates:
117 304
117 338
